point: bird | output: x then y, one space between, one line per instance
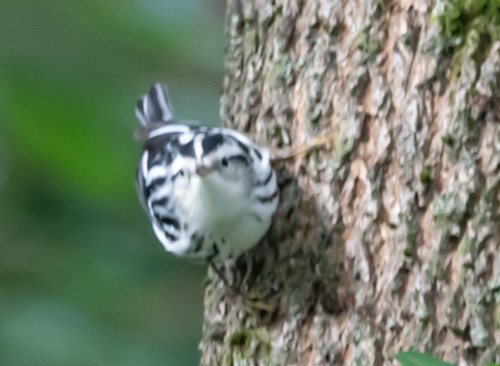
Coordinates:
209 192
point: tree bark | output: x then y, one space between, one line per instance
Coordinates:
388 241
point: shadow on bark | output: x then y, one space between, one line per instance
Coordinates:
294 270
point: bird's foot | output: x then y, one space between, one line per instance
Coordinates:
324 142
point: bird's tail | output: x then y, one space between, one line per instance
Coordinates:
154 108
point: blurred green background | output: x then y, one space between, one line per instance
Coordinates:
83 280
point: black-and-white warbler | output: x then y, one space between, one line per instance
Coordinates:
209 192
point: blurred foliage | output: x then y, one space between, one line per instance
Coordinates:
83 281
413 358
419 359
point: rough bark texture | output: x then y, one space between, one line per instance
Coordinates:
389 241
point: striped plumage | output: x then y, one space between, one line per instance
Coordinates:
209 192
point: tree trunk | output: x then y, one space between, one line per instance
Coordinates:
389 240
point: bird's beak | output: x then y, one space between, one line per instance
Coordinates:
203 170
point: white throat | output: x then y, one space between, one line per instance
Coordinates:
223 212
213 203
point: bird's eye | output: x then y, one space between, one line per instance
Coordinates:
225 162
180 173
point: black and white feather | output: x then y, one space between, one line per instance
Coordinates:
154 107
209 192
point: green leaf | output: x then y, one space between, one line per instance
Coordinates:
420 359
